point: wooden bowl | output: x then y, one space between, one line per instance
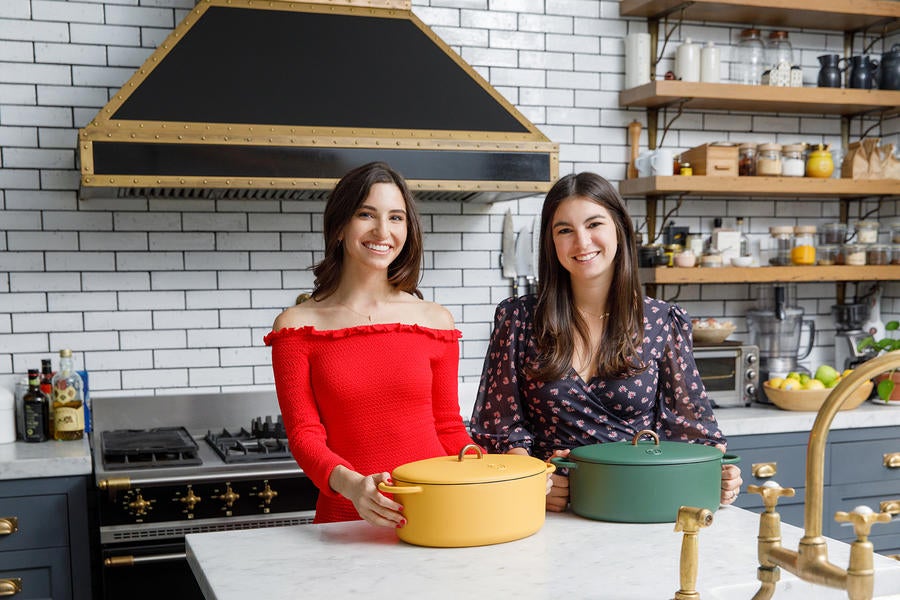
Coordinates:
812 400
712 335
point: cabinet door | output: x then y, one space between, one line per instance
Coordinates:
44 573
785 453
884 536
862 461
43 522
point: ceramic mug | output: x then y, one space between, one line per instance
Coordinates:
654 163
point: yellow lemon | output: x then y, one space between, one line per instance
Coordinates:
814 384
791 384
793 375
776 382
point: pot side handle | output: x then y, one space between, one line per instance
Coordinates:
561 462
730 459
399 489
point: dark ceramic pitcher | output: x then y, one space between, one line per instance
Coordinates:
889 77
862 72
829 71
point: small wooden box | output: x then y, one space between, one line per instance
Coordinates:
712 159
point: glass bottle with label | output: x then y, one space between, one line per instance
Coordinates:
36 407
745 241
47 387
68 400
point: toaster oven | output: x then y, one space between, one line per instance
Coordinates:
729 371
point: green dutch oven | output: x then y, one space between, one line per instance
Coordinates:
643 481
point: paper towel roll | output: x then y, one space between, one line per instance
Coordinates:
7 416
637 59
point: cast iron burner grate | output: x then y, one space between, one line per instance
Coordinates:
266 440
148 448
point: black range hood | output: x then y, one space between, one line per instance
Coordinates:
278 99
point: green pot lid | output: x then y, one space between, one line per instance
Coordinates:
646 452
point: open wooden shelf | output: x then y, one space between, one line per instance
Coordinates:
761 98
833 15
701 185
675 275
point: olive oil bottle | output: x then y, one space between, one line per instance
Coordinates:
68 400
36 407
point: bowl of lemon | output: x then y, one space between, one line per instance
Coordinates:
802 392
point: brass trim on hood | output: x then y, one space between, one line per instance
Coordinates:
510 153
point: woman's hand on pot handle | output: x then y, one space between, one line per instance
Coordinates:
373 506
731 481
558 494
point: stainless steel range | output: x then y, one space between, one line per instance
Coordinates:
166 466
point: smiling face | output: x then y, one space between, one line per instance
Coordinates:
376 233
584 236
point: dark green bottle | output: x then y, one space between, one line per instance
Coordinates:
36 406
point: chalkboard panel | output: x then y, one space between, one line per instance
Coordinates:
279 67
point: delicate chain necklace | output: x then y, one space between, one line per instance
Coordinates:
600 316
369 317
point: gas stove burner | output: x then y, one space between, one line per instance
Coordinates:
148 448
265 441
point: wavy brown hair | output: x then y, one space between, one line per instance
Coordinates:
343 202
556 322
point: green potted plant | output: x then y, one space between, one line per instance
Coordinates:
886 383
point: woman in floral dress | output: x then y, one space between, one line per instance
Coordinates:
589 359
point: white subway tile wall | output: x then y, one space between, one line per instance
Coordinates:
161 296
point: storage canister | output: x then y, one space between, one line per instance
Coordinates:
768 160
867 232
854 254
804 250
747 158
827 254
878 254
895 254
833 233
895 232
792 163
783 238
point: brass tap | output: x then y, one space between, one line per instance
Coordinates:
810 561
690 519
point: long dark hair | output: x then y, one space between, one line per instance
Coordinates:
556 322
343 202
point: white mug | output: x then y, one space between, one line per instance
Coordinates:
655 163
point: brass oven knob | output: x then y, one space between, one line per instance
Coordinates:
10 586
268 494
190 499
139 505
229 497
9 525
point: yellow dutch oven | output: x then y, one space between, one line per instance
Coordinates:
470 499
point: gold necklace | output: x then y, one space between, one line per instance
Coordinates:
369 317
600 316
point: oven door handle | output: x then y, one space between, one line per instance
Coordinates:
128 560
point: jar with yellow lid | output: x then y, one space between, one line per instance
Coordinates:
768 160
820 163
804 250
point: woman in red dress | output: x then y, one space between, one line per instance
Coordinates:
366 370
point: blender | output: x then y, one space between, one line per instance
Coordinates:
855 322
775 326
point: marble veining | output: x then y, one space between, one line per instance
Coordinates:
19 460
570 557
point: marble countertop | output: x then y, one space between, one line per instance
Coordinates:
570 557
764 418
19 460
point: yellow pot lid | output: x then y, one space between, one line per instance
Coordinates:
474 467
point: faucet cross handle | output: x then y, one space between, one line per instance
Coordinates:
770 492
862 518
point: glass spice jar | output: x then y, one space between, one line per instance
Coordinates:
867 232
685 169
895 254
895 232
747 159
878 254
827 254
792 162
768 160
804 248
854 254
783 237
833 233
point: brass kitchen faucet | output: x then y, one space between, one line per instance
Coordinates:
810 561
